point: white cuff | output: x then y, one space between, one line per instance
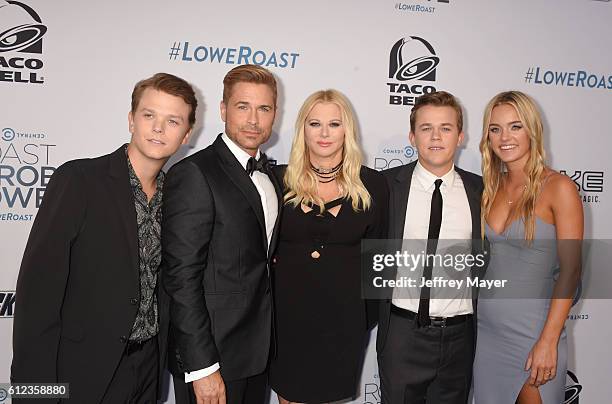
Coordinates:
198 374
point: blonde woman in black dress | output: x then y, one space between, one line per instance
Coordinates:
331 203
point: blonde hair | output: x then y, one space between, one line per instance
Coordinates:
493 168
299 179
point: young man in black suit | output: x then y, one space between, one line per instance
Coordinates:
87 308
220 211
425 346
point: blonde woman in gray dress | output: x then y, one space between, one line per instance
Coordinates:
528 213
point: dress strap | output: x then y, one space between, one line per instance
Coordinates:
334 203
544 182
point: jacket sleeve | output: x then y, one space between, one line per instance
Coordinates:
187 227
43 277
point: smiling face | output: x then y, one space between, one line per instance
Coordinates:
324 133
249 115
508 136
436 136
159 126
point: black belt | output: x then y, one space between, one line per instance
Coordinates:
135 346
435 321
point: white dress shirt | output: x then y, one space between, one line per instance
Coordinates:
456 226
269 203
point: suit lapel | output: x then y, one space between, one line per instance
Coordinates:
123 199
238 176
474 202
401 191
279 196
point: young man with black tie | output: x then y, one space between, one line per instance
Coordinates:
87 310
220 211
425 345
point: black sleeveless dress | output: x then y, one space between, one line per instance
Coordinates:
321 324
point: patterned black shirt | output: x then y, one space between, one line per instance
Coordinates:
148 218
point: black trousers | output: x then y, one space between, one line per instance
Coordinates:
135 380
427 364
251 390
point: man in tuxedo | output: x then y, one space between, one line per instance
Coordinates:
425 346
220 219
87 308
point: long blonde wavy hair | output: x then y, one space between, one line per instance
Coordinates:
493 168
299 179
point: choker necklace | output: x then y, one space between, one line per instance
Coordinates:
326 174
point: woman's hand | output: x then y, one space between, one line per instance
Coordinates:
542 361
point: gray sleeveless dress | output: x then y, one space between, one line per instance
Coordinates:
511 319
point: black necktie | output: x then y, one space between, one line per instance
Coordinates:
435 220
261 165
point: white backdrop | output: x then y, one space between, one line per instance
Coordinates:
68 95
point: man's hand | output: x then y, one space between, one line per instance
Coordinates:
210 389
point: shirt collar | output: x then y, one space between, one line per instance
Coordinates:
242 156
135 181
427 179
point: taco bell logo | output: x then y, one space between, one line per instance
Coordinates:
21 34
412 60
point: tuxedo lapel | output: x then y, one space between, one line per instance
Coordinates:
123 199
279 196
240 178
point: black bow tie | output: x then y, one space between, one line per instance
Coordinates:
261 165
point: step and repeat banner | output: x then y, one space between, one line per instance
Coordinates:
67 69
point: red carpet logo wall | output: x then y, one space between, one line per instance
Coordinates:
590 184
7 303
394 156
232 56
25 170
21 32
572 389
419 6
411 59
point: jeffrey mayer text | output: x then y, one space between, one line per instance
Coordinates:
438 282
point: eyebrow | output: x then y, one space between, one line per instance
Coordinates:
248 103
431 124
509 123
170 116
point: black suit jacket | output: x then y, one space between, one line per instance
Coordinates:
215 265
399 179
78 286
